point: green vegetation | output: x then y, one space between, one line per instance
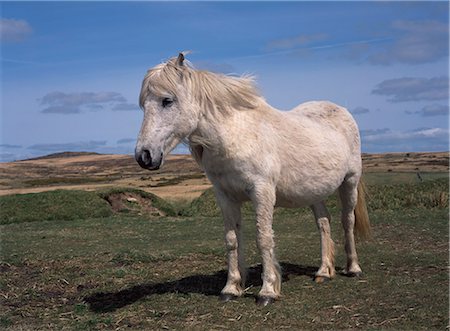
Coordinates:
55 205
70 205
427 194
123 270
389 178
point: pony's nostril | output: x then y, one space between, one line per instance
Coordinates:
146 157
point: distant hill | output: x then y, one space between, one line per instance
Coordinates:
61 155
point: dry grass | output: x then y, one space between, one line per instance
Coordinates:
179 180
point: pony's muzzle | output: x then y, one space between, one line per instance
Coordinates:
147 161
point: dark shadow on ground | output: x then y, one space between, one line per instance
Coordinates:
204 284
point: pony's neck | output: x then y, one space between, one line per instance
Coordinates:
217 132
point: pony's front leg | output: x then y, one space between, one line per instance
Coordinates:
231 211
264 200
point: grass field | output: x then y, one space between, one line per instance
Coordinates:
129 268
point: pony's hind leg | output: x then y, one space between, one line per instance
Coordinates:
326 270
348 193
231 211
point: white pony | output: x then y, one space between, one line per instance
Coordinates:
251 151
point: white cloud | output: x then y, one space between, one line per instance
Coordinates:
433 133
12 30
421 139
74 103
414 89
78 99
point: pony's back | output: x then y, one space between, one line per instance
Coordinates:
333 116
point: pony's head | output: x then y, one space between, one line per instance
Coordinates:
175 98
169 115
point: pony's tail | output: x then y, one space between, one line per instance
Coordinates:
362 223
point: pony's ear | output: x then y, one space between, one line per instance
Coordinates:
180 60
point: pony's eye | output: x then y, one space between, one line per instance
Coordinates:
166 102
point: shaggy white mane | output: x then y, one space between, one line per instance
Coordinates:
212 91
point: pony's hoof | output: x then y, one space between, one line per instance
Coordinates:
321 279
225 297
264 301
354 274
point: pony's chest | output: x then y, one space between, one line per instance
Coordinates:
234 178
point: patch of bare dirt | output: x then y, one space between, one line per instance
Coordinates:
132 203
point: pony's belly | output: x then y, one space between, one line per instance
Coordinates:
305 194
289 202
298 200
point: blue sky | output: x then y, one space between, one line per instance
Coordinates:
71 71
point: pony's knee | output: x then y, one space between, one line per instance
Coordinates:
265 240
231 241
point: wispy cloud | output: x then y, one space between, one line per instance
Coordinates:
305 49
295 42
417 42
414 89
404 41
431 110
74 103
77 99
13 30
